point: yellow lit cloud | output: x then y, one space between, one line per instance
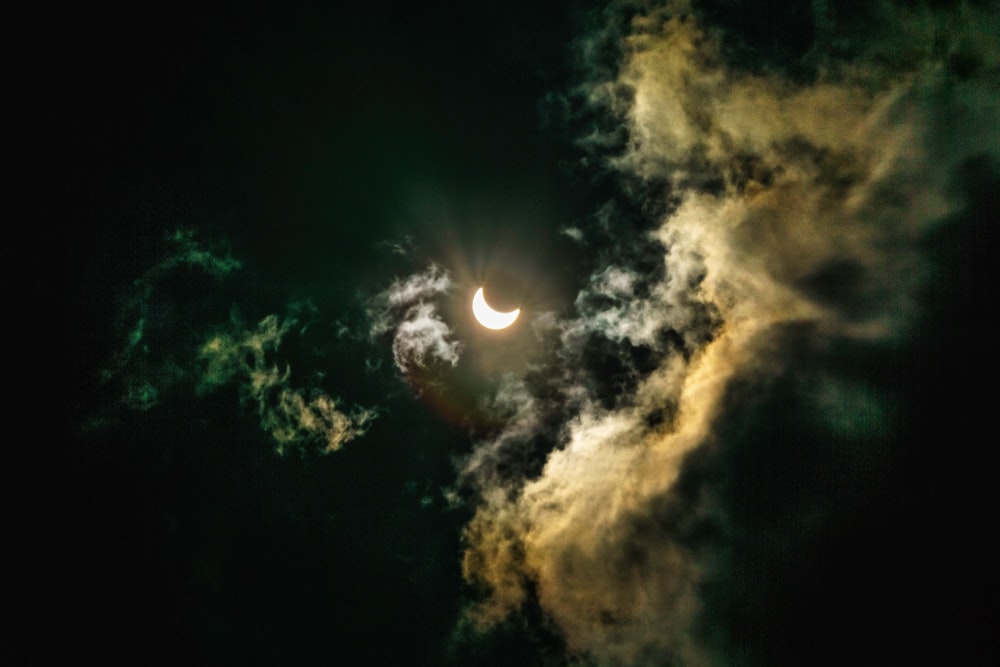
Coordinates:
798 215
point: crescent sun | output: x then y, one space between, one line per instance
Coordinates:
489 318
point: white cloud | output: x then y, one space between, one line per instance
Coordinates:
409 311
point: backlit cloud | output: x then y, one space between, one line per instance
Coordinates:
794 216
407 309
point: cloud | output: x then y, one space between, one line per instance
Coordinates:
188 251
147 366
787 218
166 351
293 417
573 233
408 311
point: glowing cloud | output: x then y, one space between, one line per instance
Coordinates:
792 217
408 310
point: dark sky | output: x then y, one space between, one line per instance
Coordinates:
744 418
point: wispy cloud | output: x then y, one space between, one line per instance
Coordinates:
166 350
408 311
293 417
143 366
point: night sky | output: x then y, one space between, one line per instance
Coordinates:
744 417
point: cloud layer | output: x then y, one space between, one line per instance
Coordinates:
795 213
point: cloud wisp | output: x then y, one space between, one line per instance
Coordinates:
167 350
408 311
790 218
145 367
292 417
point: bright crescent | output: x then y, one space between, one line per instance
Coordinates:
489 318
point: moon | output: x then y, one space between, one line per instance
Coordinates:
489 318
